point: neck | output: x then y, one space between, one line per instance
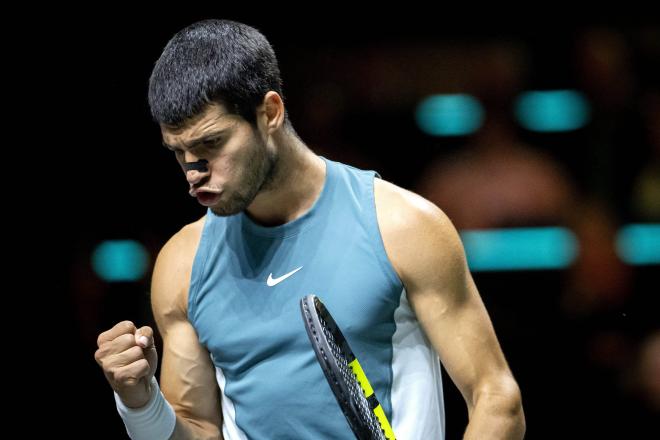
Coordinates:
297 182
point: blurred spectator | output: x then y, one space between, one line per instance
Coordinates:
498 181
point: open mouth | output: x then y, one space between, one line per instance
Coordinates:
207 198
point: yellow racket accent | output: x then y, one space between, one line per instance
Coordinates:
389 434
361 377
368 391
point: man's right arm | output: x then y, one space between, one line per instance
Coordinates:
187 377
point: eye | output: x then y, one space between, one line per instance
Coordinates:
213 144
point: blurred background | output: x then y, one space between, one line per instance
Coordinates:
539 137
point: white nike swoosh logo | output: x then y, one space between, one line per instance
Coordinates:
273 281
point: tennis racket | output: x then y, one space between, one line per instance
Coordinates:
345 376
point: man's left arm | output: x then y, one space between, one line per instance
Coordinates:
427 253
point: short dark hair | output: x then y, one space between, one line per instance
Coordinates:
213 61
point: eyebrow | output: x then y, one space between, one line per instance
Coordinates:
200 140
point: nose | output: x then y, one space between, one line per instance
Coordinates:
194 177
195 169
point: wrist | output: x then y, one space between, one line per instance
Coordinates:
140 397
153 421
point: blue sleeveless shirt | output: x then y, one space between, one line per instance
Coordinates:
246 284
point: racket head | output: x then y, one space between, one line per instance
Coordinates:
343 372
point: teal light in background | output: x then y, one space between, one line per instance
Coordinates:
449 115
552 111
639 244
519 248
120 260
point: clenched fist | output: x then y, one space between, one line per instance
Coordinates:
128 358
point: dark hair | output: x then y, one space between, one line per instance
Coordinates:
213 61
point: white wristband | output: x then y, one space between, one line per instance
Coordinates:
153 421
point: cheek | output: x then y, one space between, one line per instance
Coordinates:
223 170
234 160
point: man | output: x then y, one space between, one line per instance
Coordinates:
283 222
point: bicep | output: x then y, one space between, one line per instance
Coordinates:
427 253
187 375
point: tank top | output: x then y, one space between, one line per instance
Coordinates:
246 284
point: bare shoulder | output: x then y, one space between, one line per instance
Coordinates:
171 275
185 241
415 231
403 213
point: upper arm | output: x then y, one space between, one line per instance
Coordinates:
427 253
187 377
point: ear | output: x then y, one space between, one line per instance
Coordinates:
273 111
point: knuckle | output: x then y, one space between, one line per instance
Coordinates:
98 356
127 326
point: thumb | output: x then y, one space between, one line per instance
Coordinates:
144 337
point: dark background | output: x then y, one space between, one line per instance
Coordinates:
351 84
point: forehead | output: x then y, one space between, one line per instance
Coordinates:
213 116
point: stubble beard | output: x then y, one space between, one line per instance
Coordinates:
260 169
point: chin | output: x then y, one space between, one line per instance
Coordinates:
225 209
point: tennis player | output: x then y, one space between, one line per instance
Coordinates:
281 223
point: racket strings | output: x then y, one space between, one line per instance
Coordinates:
355 389
333 346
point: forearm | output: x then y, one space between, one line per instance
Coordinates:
187 430
157 419
496 415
